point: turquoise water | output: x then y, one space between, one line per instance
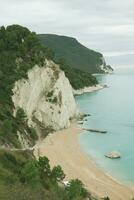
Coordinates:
111 109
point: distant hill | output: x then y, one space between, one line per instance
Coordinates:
75 54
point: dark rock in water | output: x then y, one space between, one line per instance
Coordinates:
80 122
83 115
113 155
94 130
87 115
105 86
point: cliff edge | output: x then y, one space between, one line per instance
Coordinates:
46 97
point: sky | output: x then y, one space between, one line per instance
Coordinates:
103 25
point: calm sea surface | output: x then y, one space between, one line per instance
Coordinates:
111 109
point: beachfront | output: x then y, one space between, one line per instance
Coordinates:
62 148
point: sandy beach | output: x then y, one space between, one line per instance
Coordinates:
62 148
88 89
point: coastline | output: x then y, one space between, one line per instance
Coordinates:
88 89
63 148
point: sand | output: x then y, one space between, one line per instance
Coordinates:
62 148
88 89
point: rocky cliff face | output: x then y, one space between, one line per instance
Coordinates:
46 96
104 68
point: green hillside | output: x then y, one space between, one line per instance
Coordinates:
22 177
21 50
76 55
78 78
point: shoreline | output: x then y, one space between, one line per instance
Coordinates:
106 173
88 89
63 148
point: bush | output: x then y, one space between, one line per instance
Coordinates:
32 133
54 100
44 166
50 94
7 127
23 177
76 190
30 173
57 173
20 115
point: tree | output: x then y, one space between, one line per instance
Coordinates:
76 189
2 45
57 173
20 115
7 127
44 166
30 173
49 53
32 41
106 198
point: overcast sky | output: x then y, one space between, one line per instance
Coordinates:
104 25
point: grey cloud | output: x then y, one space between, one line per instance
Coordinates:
104 25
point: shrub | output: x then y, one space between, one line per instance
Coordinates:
23 177
32 133
30 173
50 94
57 173
20 115
44 166
75 190
54 100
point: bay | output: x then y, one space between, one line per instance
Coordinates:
111 109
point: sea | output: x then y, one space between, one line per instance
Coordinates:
111 109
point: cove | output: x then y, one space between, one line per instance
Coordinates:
111 109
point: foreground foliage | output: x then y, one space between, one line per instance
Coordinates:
24 178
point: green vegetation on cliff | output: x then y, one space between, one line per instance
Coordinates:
78 78
21 50
67 52
76 55
22 177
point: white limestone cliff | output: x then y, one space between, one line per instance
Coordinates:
46 96
107 69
